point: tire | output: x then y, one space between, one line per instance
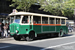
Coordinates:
18 38
27 38
31 36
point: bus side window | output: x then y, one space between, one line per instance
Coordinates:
51 20
62 21
25 19
44 20
57 21
36 20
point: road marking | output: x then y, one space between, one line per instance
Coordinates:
6 46
58 45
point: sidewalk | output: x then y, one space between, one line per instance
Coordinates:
5 39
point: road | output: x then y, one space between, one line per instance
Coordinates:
56 43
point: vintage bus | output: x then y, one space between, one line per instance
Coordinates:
30 25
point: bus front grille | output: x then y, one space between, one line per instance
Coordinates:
12 28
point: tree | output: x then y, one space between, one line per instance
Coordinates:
24 4
59 7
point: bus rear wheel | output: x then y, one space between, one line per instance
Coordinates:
60 34
17 37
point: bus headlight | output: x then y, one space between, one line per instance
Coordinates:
16 31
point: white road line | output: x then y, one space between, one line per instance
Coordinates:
58 45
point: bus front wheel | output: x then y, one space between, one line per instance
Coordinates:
31 36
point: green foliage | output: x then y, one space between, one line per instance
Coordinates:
23 4
59 7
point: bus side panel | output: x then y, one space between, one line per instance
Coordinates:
61 27
37 28
48 29
24 28
52 28
45 28
58 28
65 29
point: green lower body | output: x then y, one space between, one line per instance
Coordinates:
38 29
49 29
32 31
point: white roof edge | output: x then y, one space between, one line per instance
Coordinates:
29 13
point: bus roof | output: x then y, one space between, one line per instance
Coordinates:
35 14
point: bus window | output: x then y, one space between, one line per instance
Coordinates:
17 19
57 21
44 20
25 19
52 21
62 21
12 19
36 20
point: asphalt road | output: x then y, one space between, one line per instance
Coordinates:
56 43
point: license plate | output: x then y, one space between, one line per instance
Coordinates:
12 33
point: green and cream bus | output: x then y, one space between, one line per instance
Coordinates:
30 25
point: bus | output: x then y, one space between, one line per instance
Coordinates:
30 25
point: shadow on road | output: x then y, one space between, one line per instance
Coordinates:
7 46
68 35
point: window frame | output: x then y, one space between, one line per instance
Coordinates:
33 19
41 19
22 19
59 20
47 19
53 21
64 21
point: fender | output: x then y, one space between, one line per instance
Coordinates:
29 32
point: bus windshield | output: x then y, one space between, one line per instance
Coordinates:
17 19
